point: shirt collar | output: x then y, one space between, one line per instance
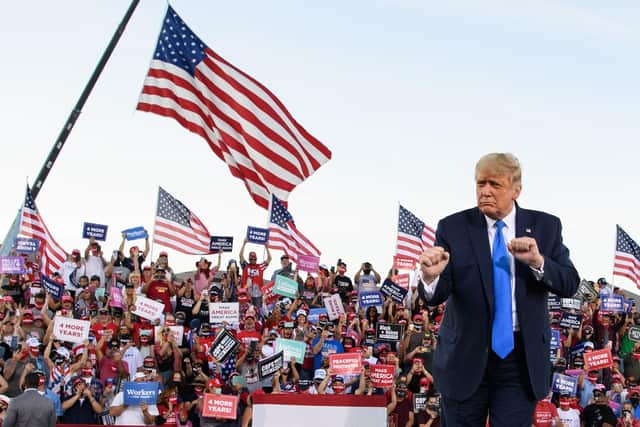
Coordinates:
509 220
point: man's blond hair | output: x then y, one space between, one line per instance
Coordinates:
501 163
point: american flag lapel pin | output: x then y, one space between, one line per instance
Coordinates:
527 230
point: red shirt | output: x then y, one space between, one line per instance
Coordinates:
99 330
247 336
159 290
544 414
109 369
253 271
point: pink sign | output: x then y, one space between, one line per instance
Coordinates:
345 363
308 263
220 406
115 297
382 375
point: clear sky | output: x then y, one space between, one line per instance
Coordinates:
408 94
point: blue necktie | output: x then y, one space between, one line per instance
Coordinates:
502 329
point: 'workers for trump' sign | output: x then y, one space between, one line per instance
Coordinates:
135 393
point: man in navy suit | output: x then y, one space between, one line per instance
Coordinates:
494 266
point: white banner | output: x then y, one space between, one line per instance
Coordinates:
334 306
148 308
70 330
224 312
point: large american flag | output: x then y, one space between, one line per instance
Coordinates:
178 228
244 124
32 225
284 235
626 262
414 236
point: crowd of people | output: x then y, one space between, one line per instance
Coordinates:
84 380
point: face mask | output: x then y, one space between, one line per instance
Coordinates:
401 393
217 390
342 270
338 388
86 372
564 406
423 390
34 351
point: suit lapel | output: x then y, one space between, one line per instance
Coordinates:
480 242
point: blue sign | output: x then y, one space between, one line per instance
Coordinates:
612 304
221 242
630 303
97 231
135 233
52 287
314 314
370 298
555 339
554 303
257 235
24 245
564 384
576 350
136 393
393 291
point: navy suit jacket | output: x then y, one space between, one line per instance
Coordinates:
466 285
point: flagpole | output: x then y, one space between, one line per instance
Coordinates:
153 236
71 120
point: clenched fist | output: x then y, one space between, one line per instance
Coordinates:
433 262
525 249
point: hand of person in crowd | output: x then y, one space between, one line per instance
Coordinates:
293 360
144 406
29 367
108 389
525 249
433 262
87 392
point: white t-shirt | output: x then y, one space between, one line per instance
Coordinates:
570 417
133 358
94 268
132 415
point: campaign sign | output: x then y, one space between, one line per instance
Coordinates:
24 245
270 365
634 333
220 406
176 331
291 348
224 312
224 345
221 242
612 304
148 308
257 235
419 402
97 231
598 359
70 330
564 384
345 363
370 298
555 339
402 280
314 314
403 263
115 297
308 263
136 393
382 375
571 303
267 292
586 290
393 291
12 265
135 233
388 332
569 320
52 287
334 306
285 287
554 303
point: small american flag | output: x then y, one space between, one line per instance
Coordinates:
244 124
626 262
284 235
32 225
414 236
178 228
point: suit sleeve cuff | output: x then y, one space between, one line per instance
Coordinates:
538 273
